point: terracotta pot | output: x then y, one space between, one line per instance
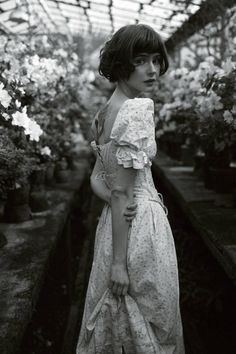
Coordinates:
62 174
187 155
38 201
198 164
17 207
206 174
37 179
71 162
49 175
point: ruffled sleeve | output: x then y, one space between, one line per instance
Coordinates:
134 132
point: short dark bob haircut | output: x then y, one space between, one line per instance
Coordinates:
129 41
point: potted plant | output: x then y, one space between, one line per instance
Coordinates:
15 168
217 120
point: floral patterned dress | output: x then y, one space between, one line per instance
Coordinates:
147 320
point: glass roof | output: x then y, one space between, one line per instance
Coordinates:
94 16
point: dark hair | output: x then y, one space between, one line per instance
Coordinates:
117 54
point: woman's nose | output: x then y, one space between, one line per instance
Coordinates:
152 69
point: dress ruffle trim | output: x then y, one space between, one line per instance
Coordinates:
134 124
130 158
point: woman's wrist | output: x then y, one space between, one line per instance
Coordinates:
119 262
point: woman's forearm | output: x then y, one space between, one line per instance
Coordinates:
120 227
100 189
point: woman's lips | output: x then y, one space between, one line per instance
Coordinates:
150 81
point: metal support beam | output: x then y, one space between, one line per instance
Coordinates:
207 13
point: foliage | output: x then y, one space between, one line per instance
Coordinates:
15 164
200 104
41 100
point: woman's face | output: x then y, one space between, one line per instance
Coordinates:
145 74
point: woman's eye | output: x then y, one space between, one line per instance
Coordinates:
139 61
157 61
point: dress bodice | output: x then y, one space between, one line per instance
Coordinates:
132 144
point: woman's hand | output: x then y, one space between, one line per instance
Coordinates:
130 212
119 279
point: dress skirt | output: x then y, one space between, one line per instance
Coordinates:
147 320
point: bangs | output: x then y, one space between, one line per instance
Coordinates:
117 55
146 41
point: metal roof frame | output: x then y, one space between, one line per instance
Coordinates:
163 15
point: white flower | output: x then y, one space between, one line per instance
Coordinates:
21 119
5 116
228 117
59 116
228 66
233 110
46 151
208 103
214 101
5 98
33 130
61 52
18 104
74 57
22 91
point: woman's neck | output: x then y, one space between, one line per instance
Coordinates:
124 92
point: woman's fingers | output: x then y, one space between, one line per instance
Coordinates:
125 290
132 206
118 289
114 288
130 212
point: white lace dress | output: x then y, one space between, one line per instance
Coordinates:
147 320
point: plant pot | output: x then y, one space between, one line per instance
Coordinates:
62 174
17 207
49 174
37 179
187 155
198 164
206 174
38 201
71 161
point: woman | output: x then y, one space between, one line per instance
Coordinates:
132 302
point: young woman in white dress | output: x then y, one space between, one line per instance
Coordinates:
132 301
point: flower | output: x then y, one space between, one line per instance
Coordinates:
18 104
228 117
61 52
5 116
21 119
209 103
22 91
228 66
5 98
33 130
233 110
46 151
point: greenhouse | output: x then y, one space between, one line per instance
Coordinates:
117 176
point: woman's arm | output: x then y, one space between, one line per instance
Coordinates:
121 197
99 186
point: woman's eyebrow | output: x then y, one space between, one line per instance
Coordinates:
146 54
